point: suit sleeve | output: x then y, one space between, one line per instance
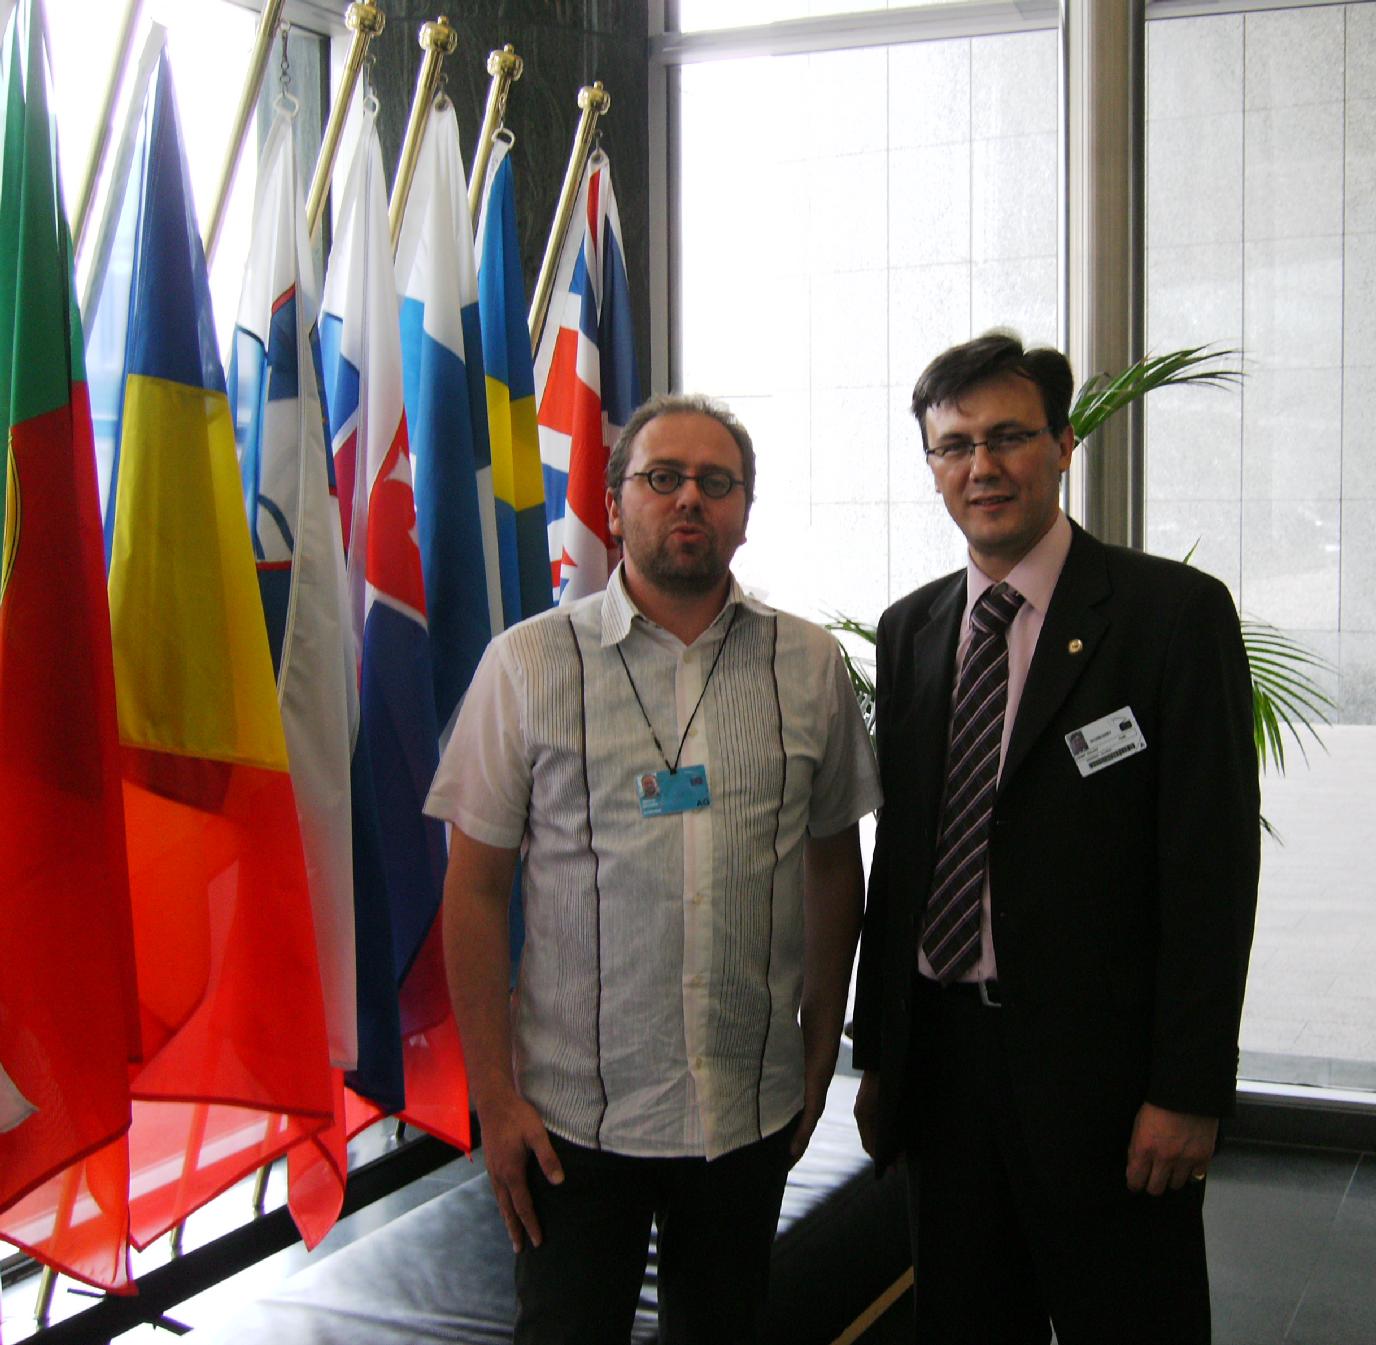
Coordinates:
1208 839
869 984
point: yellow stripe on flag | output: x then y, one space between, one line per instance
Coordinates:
192 668
517 476
499 435
529 474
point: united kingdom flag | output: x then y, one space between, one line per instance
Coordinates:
586 386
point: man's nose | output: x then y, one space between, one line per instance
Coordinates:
983 462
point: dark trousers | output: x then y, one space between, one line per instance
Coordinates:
716 1225
998 1254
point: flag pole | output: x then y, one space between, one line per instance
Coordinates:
594 100
365 21
506 68
101 145
248 99
437 40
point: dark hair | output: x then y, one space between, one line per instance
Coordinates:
993 355
680 404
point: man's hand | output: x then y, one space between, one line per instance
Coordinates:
867 1109
512 1132
1168 1148
814 1100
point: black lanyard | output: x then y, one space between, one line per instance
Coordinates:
673 770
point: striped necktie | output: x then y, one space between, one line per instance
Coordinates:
951 936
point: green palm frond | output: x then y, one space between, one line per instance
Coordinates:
1286 698
860 670
1101 397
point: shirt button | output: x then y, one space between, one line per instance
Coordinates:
697 1062
695 981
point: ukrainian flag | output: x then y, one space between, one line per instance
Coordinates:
517 476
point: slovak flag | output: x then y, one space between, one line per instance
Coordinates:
586 387
361 347
446 414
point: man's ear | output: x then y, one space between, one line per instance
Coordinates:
613 515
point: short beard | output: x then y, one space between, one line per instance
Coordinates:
687 580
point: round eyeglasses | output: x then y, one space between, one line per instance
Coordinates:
716 483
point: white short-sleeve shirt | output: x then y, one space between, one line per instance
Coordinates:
656 1010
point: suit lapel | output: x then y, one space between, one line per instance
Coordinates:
1074 627
934 657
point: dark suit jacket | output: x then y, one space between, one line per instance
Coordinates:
1122 902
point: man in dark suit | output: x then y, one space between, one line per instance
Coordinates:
1062 894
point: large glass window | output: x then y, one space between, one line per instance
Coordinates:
1261 235
845 215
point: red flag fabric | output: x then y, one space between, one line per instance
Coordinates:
68 1011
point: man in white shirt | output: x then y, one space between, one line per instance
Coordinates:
685 768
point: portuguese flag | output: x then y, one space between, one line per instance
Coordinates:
68 1003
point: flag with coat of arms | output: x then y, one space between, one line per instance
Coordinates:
65 918
361 345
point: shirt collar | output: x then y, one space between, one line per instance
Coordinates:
618 611
1034 576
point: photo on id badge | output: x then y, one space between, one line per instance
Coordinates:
682 791
1105 741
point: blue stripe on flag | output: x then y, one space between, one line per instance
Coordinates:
440 422
399 719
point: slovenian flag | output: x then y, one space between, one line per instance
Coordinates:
65 922
293 515
516 472
360 341
233 1021
586 386
293 520
446 415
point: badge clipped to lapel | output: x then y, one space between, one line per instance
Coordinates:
1105 741
681 791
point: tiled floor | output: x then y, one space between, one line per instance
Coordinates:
1292 1250
1292 1253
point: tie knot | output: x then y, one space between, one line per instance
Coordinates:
995 608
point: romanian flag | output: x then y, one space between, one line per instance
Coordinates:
516 472
360 337
586 386
446 415
229 984
68 1011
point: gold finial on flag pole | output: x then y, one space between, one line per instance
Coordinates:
248 100
594 100
506 68
365 22
437 40
82 214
